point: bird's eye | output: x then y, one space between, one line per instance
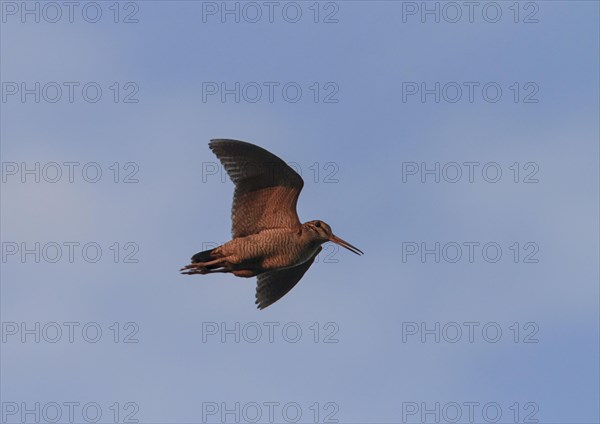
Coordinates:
318 224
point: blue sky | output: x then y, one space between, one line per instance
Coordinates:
360 141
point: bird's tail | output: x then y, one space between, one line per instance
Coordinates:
205 256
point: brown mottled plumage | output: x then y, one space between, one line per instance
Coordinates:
268 239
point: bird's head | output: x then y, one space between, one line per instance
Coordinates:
321 232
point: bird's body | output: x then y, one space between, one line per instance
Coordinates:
268 239
271 249
268 250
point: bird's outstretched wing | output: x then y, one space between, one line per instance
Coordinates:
266 188
272 286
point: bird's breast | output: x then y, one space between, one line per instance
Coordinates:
283 249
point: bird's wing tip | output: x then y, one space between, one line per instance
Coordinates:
221 140
259 305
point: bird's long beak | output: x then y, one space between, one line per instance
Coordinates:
335 239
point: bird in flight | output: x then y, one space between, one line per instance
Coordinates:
268 239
